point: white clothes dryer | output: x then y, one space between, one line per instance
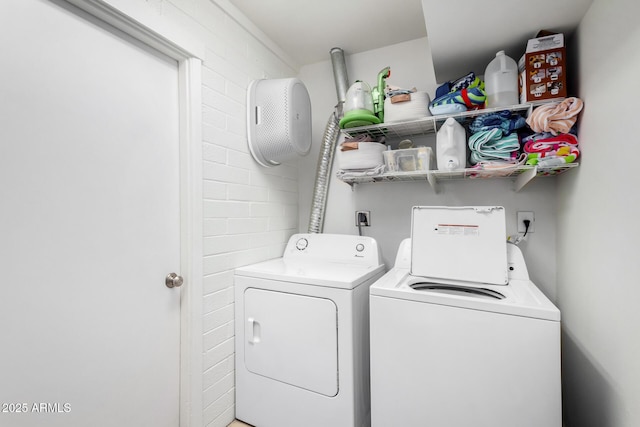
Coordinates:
454 353
302 333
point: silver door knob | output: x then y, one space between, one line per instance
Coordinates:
173 280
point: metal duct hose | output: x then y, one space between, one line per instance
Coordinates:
323 173
328 148
339 73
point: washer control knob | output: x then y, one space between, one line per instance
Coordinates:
302 244
359 247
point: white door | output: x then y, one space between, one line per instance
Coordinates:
89 223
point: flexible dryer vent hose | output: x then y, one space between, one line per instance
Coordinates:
323 173
328 147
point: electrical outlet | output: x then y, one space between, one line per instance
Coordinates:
522 216
363 218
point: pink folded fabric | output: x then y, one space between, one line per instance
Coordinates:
550 144
554 151
555 118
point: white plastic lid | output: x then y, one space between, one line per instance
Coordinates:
466 243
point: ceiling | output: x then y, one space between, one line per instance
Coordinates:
469 41
463 35
307 30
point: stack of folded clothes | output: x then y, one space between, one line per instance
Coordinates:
494 140
546 149
554 142
466 93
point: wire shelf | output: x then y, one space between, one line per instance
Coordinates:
429 125
426 125
522 174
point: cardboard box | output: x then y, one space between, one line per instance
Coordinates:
543 69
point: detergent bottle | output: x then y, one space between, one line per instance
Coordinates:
501 81
451 146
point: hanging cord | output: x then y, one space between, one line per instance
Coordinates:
362 219
517 239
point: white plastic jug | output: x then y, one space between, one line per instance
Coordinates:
501 81
451 146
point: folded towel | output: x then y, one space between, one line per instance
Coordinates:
491 145
536 137
438 110
556 118
467 81
503 120
358 173
497 167
552 151
472 97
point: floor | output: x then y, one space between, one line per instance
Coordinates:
237 423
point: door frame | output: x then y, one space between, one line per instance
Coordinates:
173 41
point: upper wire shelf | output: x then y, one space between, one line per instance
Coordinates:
426 125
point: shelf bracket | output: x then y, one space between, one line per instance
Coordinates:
524 178
433 182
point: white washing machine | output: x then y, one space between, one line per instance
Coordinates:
458 353
302 333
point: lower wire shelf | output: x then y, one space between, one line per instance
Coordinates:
521 175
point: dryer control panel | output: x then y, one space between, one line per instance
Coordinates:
341 248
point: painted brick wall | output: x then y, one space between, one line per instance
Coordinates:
249 211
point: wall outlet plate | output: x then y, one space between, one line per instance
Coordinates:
521 217
366 222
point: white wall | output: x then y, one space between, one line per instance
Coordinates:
249 211
390 203
598 230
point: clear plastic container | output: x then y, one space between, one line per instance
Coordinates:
359 98
408 159
501 81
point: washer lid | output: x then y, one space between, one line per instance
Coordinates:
459 243
330 274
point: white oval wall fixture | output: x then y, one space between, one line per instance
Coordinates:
278 120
